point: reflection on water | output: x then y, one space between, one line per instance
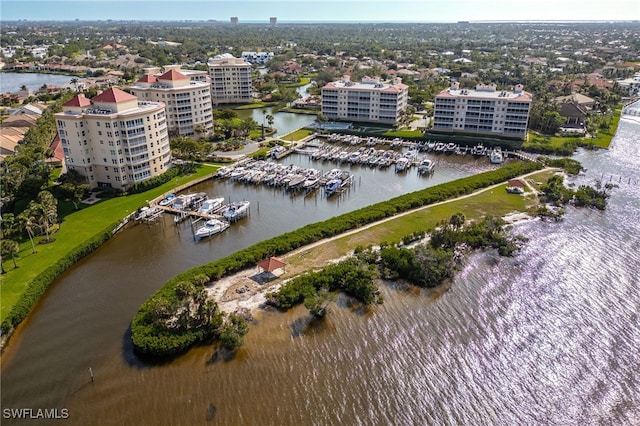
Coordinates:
547 337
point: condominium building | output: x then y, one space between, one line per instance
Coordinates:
187 98
484 111
230 80
259 58
113 139
370 100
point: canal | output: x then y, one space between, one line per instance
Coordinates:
83 319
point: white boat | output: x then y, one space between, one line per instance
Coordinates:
189 201
311 182
211 205
333 173
426 166
402 164
223 172
183 201
477 150
211 227
237 210
496 156
145 213
353 157
168 200
296 180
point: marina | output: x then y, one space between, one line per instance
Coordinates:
528 310
291 178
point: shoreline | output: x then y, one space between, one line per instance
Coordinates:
246 290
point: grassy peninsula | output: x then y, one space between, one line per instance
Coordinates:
153 335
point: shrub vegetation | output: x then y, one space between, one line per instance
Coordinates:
150 339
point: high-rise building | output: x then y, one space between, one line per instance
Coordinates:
483 111
187 99
234 20
273 21
371 100
113 139
230 80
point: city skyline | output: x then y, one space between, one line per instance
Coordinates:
249 11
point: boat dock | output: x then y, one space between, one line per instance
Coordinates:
183 214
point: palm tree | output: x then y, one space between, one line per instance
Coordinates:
270 120
49 207
28 221
9 248
8 227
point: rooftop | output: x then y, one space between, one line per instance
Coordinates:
114 96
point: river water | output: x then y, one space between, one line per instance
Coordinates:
12 82
548 337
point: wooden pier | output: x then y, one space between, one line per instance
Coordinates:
187 213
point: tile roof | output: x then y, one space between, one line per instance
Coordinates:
113 96
78 101
148 79
173 75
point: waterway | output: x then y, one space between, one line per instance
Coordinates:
548 337
283 122
12 82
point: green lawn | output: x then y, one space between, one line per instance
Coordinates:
403 134
302 82
296 135
255 105
75 229
602 138
496 201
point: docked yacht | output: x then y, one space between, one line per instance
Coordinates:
211 205
237 210
211 227
496 156
146 213
402 164
168 200
188 201
426 166
332 186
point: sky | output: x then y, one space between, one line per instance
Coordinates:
323 10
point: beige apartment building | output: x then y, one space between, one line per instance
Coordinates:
230 80
113 139
370 100
187 96
484 111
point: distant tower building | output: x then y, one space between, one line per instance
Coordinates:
273 21
234 20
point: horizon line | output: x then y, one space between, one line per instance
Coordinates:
328 21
